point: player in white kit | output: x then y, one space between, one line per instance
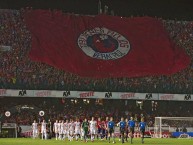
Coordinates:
77 128
56 129
66 131
71 130
34 129
59 128
43 130
93 128
61 133
82 134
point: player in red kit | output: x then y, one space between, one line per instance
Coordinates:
106 127
99 128
103 129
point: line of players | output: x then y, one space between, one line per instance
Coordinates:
127 129
104 129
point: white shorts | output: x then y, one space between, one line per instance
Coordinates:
66 132
77 131
56 131
35 131
71 132
82 132
92 131
43 131
61 132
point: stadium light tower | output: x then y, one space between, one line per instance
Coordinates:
99 7
140 104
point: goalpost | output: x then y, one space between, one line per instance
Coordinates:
165 126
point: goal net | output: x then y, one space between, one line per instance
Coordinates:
176 127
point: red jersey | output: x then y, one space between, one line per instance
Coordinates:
106 124
103 125
98 124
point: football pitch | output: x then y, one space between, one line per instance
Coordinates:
148 141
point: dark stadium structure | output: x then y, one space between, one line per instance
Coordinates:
167 9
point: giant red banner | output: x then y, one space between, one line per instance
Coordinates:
103 46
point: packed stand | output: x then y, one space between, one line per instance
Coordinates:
17 71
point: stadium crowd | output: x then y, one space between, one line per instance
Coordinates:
17 71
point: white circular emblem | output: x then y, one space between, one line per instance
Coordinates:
7 113
41 113
102 43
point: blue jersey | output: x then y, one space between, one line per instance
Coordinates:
142 125
111 124
131 123
122 124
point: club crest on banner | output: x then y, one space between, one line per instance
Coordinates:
102 43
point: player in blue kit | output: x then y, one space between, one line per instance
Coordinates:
142 125
131 125
122 125
111 129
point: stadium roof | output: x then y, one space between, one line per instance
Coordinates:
167 9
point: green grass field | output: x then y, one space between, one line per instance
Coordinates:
148 141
